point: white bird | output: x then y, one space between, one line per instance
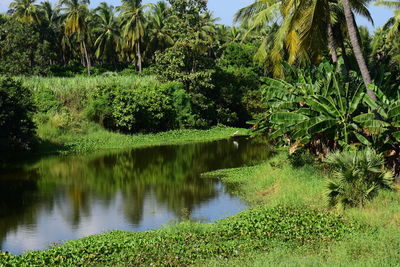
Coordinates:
236 144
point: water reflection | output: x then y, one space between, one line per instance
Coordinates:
62 198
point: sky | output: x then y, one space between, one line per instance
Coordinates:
224 9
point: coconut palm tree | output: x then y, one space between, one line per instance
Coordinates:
107 31
295 27
355 42
159 35
76 13
393 25
49 13
25 11
304 25
133 27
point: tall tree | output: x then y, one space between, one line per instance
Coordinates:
304 27
76 13
25 11
159 35
355 42
107 31
133 27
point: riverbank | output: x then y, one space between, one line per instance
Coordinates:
97 138
290 224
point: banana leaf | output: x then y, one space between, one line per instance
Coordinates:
362 139
322 126
287 118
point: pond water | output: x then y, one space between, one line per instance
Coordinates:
60 198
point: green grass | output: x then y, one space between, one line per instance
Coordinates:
96 138
85 84
278 183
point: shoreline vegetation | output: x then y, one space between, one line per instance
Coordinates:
100 139
289 224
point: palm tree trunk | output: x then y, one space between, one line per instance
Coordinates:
352 28
332 43
331 38
139 55
87 57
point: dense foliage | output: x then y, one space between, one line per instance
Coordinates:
155 108
17 129
253 230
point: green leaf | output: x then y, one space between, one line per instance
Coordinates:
287 118
371 103
355 101
364 118
362 139
394 111
396 135
322 126
277 133
325 108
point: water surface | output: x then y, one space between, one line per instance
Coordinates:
61 198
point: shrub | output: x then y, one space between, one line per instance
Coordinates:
232 84
147 108
17 129
181 101
100 107
358 177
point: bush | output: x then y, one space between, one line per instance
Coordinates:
148 108
144 109
17 129
232 84
100 108
358 177
181 101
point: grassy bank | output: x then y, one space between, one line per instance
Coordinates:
290 225
96 138
277 183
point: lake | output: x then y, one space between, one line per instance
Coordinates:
59 198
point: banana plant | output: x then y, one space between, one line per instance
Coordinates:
318 110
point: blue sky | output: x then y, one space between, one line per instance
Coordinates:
225 9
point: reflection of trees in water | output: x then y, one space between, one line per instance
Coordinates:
170 173
16 201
